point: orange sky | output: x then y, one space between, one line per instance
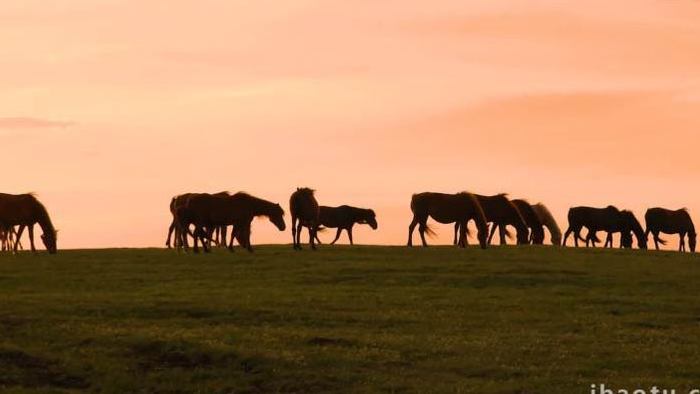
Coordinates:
110 107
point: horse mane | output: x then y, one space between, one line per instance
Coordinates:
548 221
43 212
254 199
479 209
306 190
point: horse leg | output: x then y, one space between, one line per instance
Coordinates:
681 248
349 230
456 241
298 235
492 233
18 237
566 236
462 235
294 232
411 227
502 234
656 239
30 230
312 235
422 227
170 233
337 235
245 234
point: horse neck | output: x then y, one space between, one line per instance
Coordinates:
260 207
45 221
480 215
636 227
520 222
550 223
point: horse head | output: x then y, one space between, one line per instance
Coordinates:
49 240
632 224
276 216
369 217
692 240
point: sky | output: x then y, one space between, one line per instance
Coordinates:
108 108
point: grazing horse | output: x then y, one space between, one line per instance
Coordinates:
457 208
24 210
548 221
531 220
209 211
660 220
305 213
609 219
345 217
502 212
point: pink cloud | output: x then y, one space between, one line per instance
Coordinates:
31 123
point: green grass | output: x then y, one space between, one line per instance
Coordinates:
362 319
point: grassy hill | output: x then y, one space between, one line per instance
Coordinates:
362 319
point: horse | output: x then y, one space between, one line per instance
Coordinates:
345 217
179 203
609 219
548 221
502 212
209 211
628 224
531 220
660 220
24 210
305 213
457 208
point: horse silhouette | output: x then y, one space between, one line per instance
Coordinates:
305 213
502 212
178 209
549 222
532 220
209 211
609 219
660 220
24 210
457 208
345 217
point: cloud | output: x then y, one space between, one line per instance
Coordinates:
32 123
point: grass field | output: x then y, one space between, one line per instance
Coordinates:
362 319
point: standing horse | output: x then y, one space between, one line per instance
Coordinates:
660 220
345 217
531 220
24 210
209 211
502 212
610 220
246 208
548 221
179 204
457 208
305 213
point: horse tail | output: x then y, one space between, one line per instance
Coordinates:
431 233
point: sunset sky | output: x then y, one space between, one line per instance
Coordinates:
108 108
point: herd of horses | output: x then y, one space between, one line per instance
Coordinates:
224 218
